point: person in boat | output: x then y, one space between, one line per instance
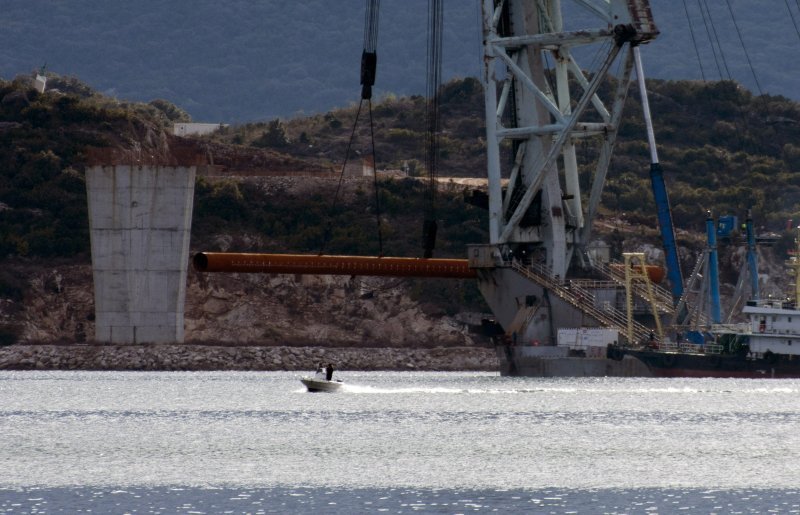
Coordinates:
329 372
321 372
651 342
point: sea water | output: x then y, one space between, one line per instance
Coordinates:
400 442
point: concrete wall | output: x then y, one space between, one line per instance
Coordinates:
140 221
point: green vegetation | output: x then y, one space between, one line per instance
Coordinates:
43 142
399 132
721 149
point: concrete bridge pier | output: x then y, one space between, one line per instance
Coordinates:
140 223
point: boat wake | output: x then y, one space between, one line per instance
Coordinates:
355 388
366 389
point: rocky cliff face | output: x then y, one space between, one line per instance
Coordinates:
58 306
314 310
51 303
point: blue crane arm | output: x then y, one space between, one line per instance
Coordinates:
752 257
660 191
713 271
667 231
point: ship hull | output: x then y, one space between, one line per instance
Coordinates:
645 363
520 362
666 364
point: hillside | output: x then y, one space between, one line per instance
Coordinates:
240 61
722 148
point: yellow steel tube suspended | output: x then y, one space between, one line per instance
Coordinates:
331 265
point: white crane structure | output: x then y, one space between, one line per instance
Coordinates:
539 102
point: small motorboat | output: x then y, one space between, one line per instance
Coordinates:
316 384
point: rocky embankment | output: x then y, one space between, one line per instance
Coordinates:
242 322
222 357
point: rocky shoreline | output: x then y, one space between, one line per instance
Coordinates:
199 357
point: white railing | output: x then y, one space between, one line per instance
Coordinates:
690 348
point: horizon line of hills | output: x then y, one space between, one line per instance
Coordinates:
241 61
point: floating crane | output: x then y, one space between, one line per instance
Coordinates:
538 230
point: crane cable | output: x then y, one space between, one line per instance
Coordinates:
694 41
434 80
739 106
711 31
791 15
369 61
741 42
744 48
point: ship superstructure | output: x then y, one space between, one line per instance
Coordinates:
768 345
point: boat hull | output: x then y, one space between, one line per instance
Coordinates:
320 385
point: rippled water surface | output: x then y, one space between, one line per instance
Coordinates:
247 442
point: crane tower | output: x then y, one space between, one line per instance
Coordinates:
539 102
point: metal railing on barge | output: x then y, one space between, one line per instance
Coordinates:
575 294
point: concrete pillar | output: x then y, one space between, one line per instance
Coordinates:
140 222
